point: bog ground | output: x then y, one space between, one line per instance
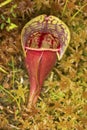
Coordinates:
62 104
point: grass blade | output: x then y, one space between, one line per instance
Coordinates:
64 7
3 70
5 3
78 12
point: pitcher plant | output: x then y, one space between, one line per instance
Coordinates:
43 39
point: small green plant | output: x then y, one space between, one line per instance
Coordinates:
7 24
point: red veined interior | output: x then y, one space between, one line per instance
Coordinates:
43 40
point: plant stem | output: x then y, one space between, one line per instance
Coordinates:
13 72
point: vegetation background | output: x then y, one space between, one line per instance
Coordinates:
63 102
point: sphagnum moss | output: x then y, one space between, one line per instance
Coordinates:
63 101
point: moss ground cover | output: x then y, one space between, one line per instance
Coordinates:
62 104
